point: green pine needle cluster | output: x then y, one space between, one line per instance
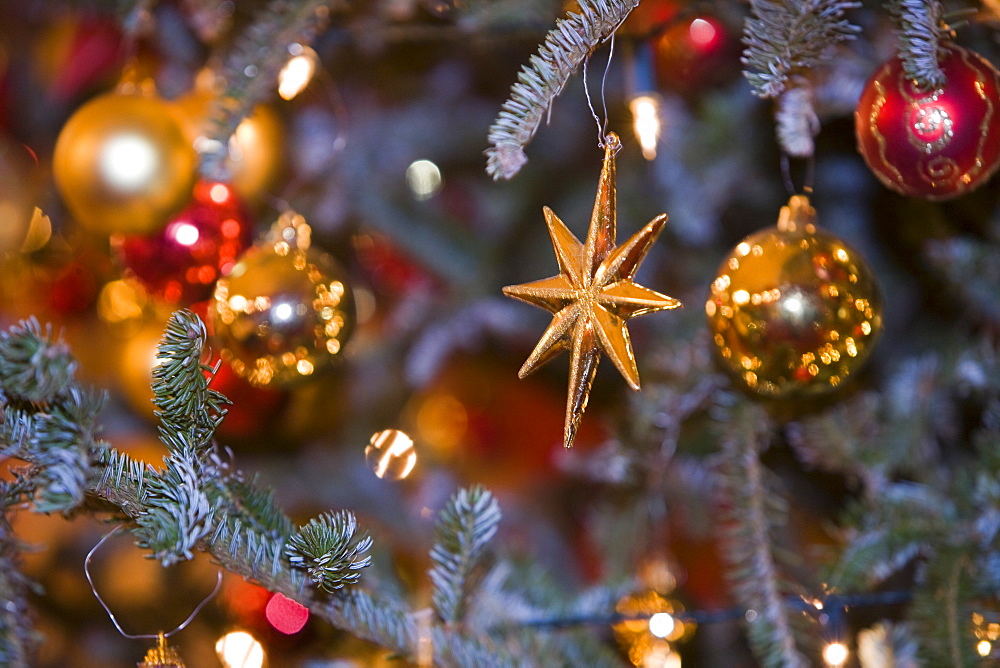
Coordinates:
34 365
785 37
328 550
188 410
922 30
464 528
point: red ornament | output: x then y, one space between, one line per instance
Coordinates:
694 53
286 615
934 144
179 264
254 409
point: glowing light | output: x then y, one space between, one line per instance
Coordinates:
702 33
183 233
646 123
219 193
286 615
390 454
283 312
239 649
128 162
661 624
297 72
424 179
121 301
835 654
39 231
984 647
741 297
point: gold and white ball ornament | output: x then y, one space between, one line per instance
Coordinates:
123 165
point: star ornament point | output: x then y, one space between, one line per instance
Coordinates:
592 297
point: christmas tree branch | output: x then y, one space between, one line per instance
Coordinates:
784 38
921 33
540 81
752 509
200 503
888 532
465 526
795 119
941 610
250 72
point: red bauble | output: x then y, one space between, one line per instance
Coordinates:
179 264
253 411
934 144
694 53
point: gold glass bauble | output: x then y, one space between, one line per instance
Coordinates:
794 310
256 150
285 310
123 165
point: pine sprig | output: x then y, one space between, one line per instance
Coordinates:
905 520
786 37
922 30
541 80
179 514
327 549
941 610
250 73
188 410
59 442
753 509
18 638
34 366
464 526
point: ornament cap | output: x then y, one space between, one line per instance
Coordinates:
797 216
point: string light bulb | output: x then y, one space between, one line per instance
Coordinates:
646 122
239 649
297 72
835 654
661 624
984 647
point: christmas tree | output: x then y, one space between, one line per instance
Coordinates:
259 367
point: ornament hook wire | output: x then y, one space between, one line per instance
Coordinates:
807 180
114 620
602 125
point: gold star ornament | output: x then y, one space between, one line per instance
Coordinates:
593 296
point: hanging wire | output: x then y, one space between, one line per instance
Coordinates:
143 636
807 182
602 125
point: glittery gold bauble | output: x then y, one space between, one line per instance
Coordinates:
285 310
794 310
123 165
256 152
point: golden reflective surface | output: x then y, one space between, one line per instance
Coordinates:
593 296
285 310
123 165
794 311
